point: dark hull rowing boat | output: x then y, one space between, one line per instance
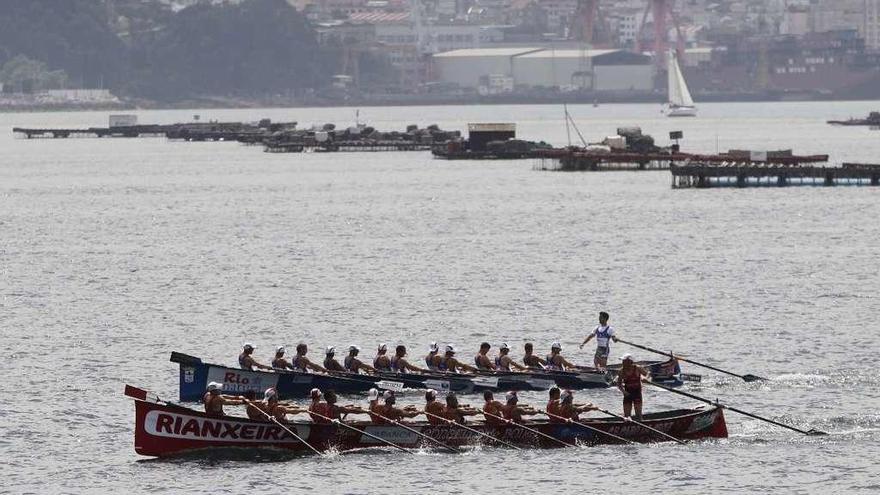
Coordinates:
163 430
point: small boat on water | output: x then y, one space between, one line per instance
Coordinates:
163 430
681 104
196 374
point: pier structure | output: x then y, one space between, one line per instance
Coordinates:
697 174
577 159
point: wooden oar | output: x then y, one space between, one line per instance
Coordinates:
374 437
747 378
745 413
413 430
569 420
472 430
643 425
288 430
524 427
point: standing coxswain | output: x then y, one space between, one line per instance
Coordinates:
503 361
450 364
280 362
555 361
629 381
246 359
330 362
481 360
302 363
381 362
353 364
399 364
214 400
529 359
604 335
432 359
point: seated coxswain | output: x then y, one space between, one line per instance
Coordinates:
387 412
456 412
513 412
352 364
449 364
330 362
302 363
399 364
482 361
503 361
280 362
214 400
270 405
329 409
433 358
492 408
433 408
382 363
247 362
529 359
569 410
555 361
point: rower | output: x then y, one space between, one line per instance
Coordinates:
280 362
302 363
503 361
433 407
399 364
336 412
316 406
247 361
270 405
214 400
330 362
492 407
353 364
373 404
553 405
450 364
569 410
532 361
482 358
604 334
390 412
514 413
455 412
381 362
555 361
629 381
433 358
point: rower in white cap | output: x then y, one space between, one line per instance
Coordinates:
555 361
512 411
450 364
569 410
246 360
270 405
214 400
504 362
629 381
330 362
433 407
352 364
432 360
280 362
381 362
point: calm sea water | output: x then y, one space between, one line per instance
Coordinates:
116 252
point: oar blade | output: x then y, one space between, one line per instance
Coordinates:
753 378
816 433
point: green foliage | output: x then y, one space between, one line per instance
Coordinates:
21 71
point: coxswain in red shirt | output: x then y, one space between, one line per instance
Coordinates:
214 400
513 412
492 408
246 359
434 407
629 381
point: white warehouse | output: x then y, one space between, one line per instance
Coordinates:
465 67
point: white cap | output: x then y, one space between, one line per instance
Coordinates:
215 386
504 346
431 392
331 350
270 393
626 356
450 348
248 345
511 395
315 393
353 347
383 347
388 394
433 347
373 394
556 345
279 349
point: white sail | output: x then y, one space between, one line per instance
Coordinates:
679 95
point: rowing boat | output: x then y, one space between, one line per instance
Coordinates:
196 374
163 429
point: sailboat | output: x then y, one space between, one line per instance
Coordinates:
680 102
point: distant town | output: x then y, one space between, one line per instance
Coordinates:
463 51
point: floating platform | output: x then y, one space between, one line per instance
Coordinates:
577 160
344 146
705 175
120 131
